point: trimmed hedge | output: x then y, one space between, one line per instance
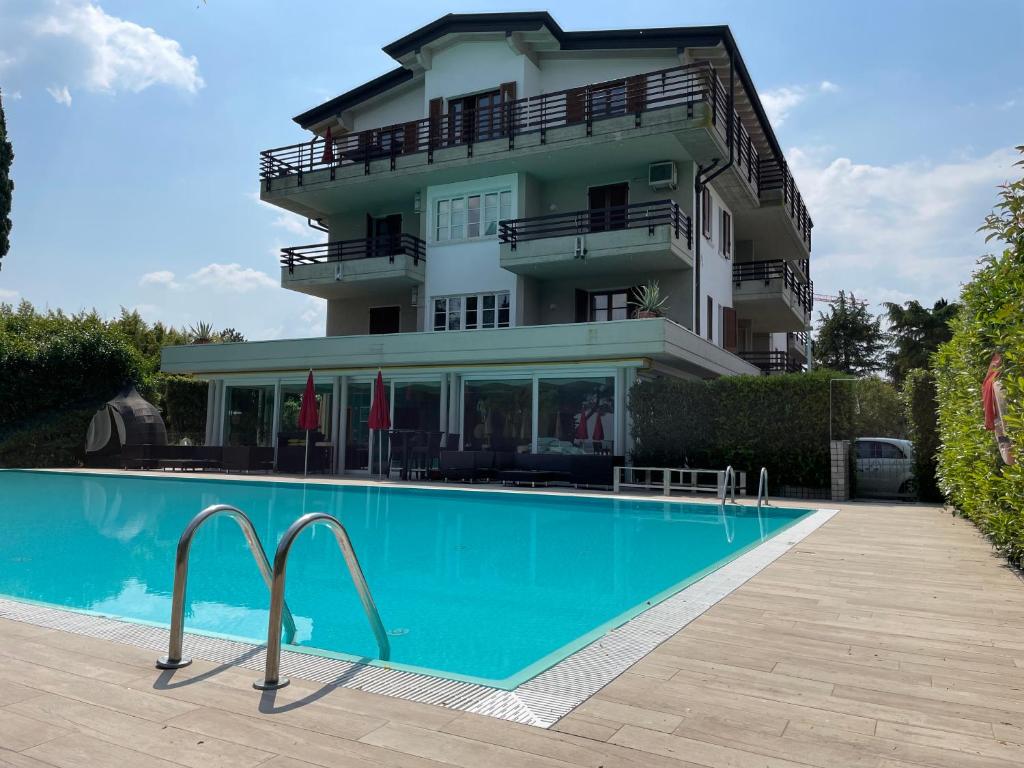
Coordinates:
921 405
182 400
780 422
56 439
971 473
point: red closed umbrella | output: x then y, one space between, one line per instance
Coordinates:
380 414
598 429
328 156
309 417
581 428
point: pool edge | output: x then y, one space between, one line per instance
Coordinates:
540 701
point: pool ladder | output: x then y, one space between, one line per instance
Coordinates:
280 616
729 489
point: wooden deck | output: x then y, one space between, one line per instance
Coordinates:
890 637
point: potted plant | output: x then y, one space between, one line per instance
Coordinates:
649 301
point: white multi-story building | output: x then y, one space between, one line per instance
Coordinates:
491 208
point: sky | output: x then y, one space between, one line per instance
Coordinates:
137 127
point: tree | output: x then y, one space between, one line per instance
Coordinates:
230 336
916 333
850 338
6 184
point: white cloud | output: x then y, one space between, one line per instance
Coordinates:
162 277
1008 104
61 95
232 278
117 54
779 102
889 232
296 226
13 95
6 294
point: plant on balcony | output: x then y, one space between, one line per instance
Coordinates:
649 302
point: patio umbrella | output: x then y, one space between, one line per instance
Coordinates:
309 419
328 156
581 430
598 435
380 416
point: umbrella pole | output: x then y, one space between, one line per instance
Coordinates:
305 466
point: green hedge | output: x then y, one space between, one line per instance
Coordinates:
182 400
971 474
780 422
54 439
921 405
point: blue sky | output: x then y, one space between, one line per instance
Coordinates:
137 128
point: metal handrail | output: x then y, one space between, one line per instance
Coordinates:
730 474
762 488
272 674
174 658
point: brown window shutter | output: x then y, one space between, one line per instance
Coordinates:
575 105
410 139
706 209
711 315
436 108
636 93
582 306
729 328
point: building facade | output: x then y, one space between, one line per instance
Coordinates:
488 214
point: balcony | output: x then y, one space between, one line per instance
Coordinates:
772 296
681 112
773 362
642 237
345 267
796 345
779 190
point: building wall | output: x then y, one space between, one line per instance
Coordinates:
716 270
400 106
558 73
473 66
351 316
555 300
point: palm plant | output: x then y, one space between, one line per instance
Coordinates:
201 333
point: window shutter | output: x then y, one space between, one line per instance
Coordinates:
436 107
582 306
411 137
706 211
636 93
508 96
711 315
729 328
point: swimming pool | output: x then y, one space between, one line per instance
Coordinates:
484 586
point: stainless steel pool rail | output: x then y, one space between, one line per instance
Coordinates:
762 488
272 674
174 658
728 485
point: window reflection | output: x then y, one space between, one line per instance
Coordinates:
249 418
498 415
576 415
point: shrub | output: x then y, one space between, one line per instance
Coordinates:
780 422
971 474
182 401
921 406
56 439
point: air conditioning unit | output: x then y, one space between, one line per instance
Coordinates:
662 175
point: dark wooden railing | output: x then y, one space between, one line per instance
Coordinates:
773 362
383 246
633 216
775 175
776 270
635 95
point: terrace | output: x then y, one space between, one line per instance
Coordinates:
773 293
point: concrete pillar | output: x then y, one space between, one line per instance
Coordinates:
535 414
342 423
839 463
620 412
275 422
336 423
211 411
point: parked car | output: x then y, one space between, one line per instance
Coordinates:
885 467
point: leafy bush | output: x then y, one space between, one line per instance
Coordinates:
921 405
780 422
971 474
182 400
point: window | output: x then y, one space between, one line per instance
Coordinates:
705 212
873 449
471 216
498 415
725 239
609 305
576 415
477 310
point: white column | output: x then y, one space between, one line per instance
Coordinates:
211 411
221 410
443 425
275 424
342 423
620 412
336 423
630 380
454 404
534 413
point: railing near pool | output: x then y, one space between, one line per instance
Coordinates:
174 658
272 676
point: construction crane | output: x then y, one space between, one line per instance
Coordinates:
829 299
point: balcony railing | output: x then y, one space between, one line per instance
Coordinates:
635 95
773 362
633 216
775 174
383 246
776 270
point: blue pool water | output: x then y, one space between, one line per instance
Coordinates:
487 586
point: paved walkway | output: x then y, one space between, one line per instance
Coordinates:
890 637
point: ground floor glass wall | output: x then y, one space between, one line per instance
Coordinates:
576 415
498 415
249 416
